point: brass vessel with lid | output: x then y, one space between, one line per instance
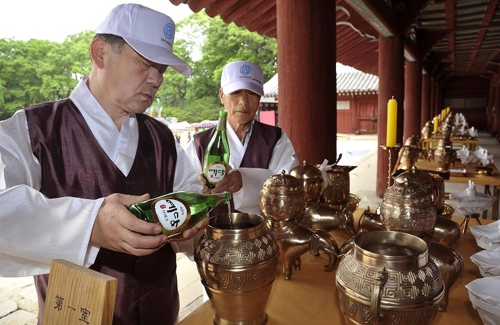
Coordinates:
408 207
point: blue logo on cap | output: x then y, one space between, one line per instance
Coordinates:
168 31
245 69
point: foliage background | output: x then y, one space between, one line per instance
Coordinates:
37 71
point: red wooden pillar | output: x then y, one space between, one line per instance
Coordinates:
425 114
439 98
413 99
307 77
491 104
391 83
496 113
433 99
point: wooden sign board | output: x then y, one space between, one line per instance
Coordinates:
78 296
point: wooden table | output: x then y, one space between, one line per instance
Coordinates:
311 296
491 183
430 143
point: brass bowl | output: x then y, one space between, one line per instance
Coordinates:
352 202
448 211
483 170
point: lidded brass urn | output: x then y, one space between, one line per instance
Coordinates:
282 197
312 180
433 181
282 201
444 154
408 207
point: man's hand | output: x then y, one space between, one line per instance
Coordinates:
190 233
231 183
117 229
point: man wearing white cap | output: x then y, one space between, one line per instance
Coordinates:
258 151
63 163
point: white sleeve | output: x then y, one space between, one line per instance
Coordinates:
34 229
186 172
187 179
283 158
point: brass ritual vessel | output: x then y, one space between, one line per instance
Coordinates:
282 201
432 181
317 215
338 186
426 132
410 153
446 232
444 154
237 258
442 236
408 207
387 277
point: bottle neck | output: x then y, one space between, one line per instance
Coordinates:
224 197
221 124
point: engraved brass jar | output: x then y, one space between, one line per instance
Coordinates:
312 180
387 277
408 207
282 198
444 155
432 181
338 187
237 258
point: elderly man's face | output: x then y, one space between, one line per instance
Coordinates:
241 106
130 80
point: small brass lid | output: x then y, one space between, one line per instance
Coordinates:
282 184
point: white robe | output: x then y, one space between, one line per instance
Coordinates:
34 230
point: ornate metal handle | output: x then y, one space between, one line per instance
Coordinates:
211 281
376 296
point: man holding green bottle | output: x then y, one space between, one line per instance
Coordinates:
258 151
70 168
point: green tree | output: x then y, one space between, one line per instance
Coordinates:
38 70
210 43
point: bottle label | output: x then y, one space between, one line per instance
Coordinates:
172 214
216 172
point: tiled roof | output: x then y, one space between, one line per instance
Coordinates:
357 83
349 82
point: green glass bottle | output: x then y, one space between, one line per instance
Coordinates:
178 211
216 163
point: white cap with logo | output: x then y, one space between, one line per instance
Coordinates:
242 75
149 32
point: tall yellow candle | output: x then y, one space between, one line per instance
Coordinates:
436 122
392 121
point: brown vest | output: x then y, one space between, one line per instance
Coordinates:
73 164
258 154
